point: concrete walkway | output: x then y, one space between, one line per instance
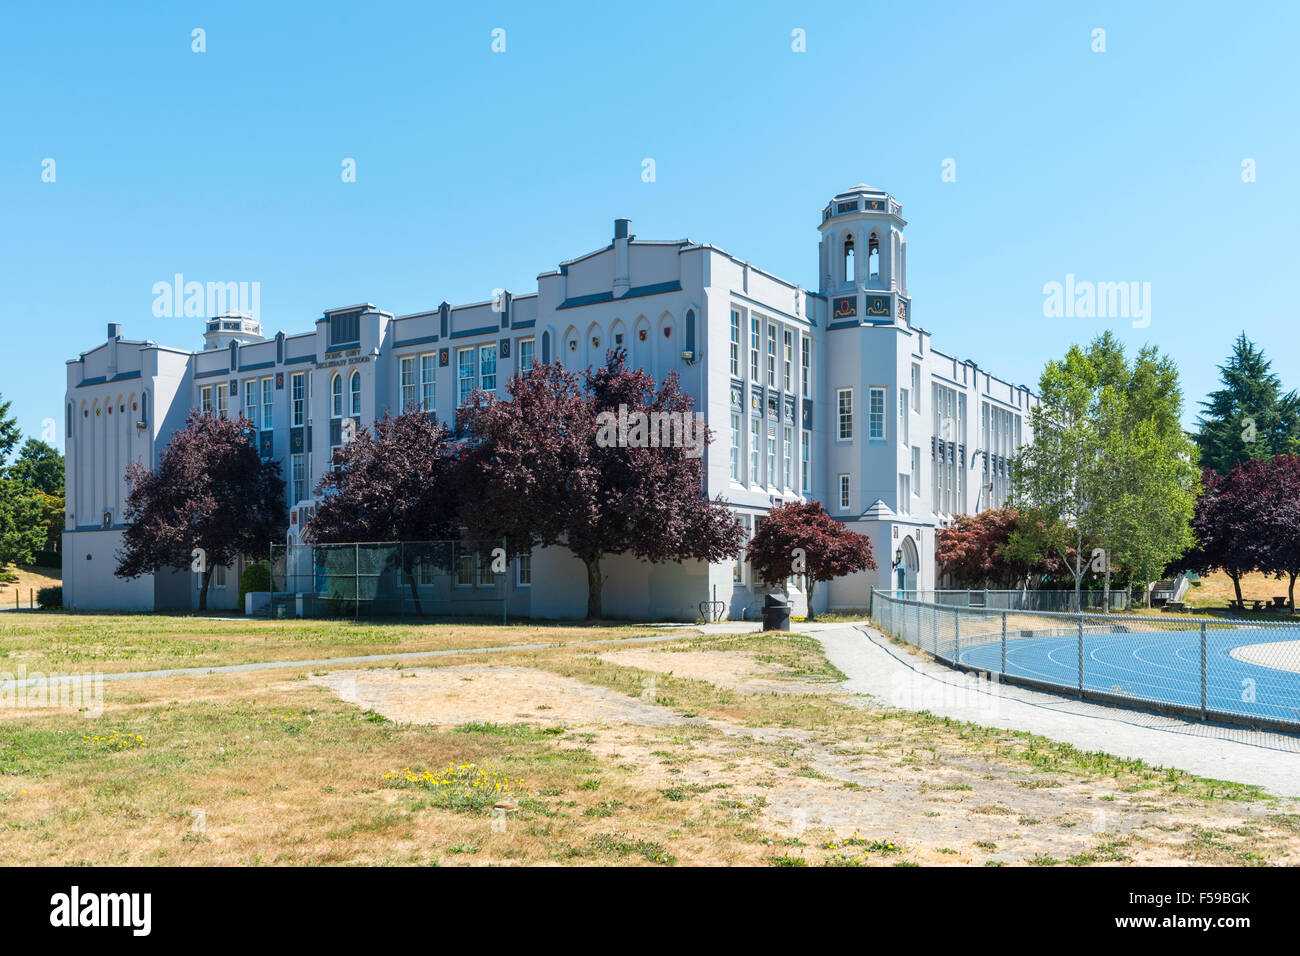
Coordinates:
901 679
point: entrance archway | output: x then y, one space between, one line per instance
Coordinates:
906 567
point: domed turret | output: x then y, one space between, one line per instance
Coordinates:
231 327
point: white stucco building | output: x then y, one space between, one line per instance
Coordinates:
833 394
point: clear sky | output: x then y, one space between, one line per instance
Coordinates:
477 170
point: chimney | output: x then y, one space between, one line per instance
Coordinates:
622 235
114 330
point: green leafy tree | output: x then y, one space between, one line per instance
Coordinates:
39 466
1250 416
1109 468
21 513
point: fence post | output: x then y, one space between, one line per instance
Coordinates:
956 634
1004 642
356 582
1204 702
505 588
1080 655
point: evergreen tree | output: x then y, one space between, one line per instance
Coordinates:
1249 417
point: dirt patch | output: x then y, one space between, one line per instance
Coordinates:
1283 655
734 671
460 695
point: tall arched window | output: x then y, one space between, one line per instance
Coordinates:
873 257
336 396
354 387
848 259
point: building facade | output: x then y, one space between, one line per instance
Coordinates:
834 395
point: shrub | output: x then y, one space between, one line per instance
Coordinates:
256 577
50 599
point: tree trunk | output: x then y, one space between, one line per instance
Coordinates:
808 587
1105 604
593 587
1290 591
203 589
1236 583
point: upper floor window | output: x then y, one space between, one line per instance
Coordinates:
755 343
526 352
487 368
205 399
408 385
844 407
464 375
787 360
268 406
354 390
771 356
805 366
336 396
848 259
877 413
735 343
298 395
428 381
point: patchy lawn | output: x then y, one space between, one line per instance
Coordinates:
697 750
110 643
29 581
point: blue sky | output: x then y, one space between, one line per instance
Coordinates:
478 170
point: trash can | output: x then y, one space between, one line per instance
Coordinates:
776 613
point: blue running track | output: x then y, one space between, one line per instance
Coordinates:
1164 667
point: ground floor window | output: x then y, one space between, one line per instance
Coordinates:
524 570
738 565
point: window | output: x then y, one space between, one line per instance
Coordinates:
848 259
483 576
771 356
487 368
916 470
755 342
250 399
844 492
735 343
773 478
735 446
524 568
904 493
427 574
336 396
526 354
947 476
464 375
916 388
464 570
428 382
205 399
221 401
354 390
408 387
876 420
298 396
844 405
268 396
787 360
902 416
219 577
738 565
755 441
787 448
299 477
345 329
805 465
805 365
873 257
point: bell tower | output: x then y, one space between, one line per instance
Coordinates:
863 256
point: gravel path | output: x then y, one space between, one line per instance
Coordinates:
878 668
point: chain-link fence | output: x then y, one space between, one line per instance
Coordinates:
1223 669
1022 600
390 579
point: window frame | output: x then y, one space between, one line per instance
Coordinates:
844 419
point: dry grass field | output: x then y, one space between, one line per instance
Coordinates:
29 581
692 750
